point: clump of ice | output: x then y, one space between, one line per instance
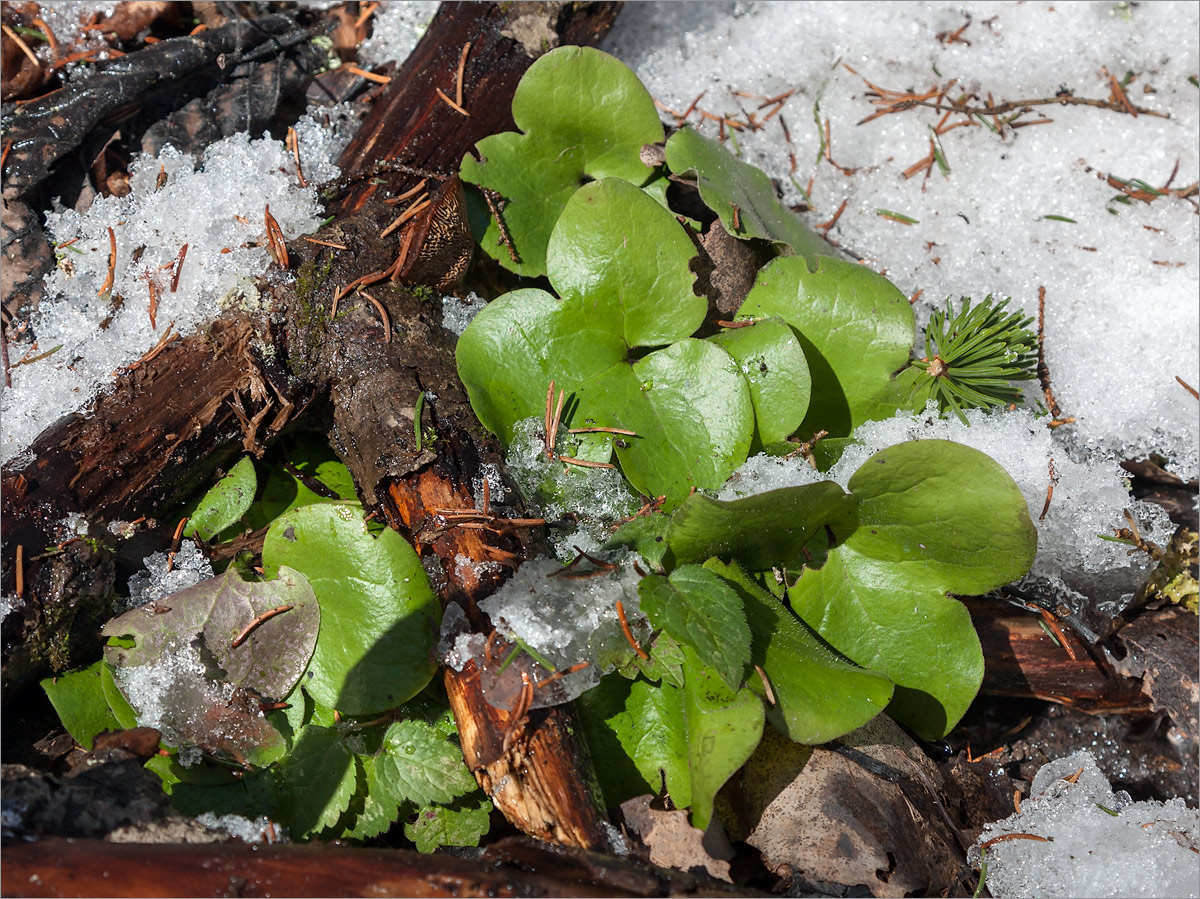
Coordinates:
216 206
172 692
395 30
1098 843
10 604
257 830
496 491
1122 319
457 312
162 577
1073 561
596 497
568 620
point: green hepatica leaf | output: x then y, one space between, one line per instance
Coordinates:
700 610
79 699
818 695
723 729
460 825
271 658
856 329
725 182
773 364
625 255
763 530
225 503
379 616
934 517
585 116
417 764
688 402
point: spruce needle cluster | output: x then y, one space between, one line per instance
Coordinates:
973 356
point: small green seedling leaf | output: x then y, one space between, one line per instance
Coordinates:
815 695
379 616
79 699
703 612
462 824
417 764
773 364
585 116
933 517
225 503
763 530
727 184
856 329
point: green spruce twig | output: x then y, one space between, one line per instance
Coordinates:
972 356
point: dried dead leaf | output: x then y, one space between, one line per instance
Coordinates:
673 842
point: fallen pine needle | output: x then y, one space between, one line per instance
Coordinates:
441 93
112 264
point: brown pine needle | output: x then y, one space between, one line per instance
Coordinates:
680 119
20 572
1073 778
458 77
585 463
1049 490
1005 837
1118 93
387 322
1043 370
276 244
363 73
417 206
367 11
546 419
558 675
293 143
178 267
249 628
1052 623
555 419
326 243
766 682
49 37
627 433
455 106
112 264
153 303
826 226
24 46
1188 387
408 193
628 632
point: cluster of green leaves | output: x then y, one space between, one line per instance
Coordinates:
357 636
807 607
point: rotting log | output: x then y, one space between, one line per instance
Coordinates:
170 423
513 867
1023 661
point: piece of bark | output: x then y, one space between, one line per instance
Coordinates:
510 868
410 124
45 130
1022 661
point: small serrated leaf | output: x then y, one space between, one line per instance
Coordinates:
418 765
462 824
700 610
